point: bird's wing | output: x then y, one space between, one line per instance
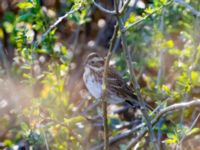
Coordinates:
116 82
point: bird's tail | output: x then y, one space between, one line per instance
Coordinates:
138 105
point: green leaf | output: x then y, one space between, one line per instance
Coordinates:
170 141
173 138
8 143
194 130
166 89
24 127
25 5
25 17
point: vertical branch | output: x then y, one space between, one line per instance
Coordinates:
162 52
133 76
104 102
45 139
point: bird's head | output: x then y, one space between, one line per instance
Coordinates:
94 62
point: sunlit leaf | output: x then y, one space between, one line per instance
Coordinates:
194 130
25 5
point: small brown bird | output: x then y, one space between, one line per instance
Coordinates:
117 90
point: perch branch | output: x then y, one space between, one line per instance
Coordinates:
133 76
104 102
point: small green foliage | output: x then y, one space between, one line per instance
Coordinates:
25 5
8 143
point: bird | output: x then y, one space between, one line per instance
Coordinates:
117 89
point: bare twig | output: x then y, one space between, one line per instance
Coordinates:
4 60
59 20
45 139
191 127
104 102
121 11
161 69
189 7
125 17
112 12
159 134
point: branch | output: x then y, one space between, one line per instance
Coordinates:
189 7
45 139
106 66
174 107
147 16
112 12
59 20
124 7
133 76
191 127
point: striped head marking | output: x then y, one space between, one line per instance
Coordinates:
94 61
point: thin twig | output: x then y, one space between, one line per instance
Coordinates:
4 60
112 12
45 139
189 7
191 127
125 17
123 8
59 20
159 134
104 102
147 16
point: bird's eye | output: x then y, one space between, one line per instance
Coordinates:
92 62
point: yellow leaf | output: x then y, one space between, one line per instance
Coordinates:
166 89
1 34
169 44
45 92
